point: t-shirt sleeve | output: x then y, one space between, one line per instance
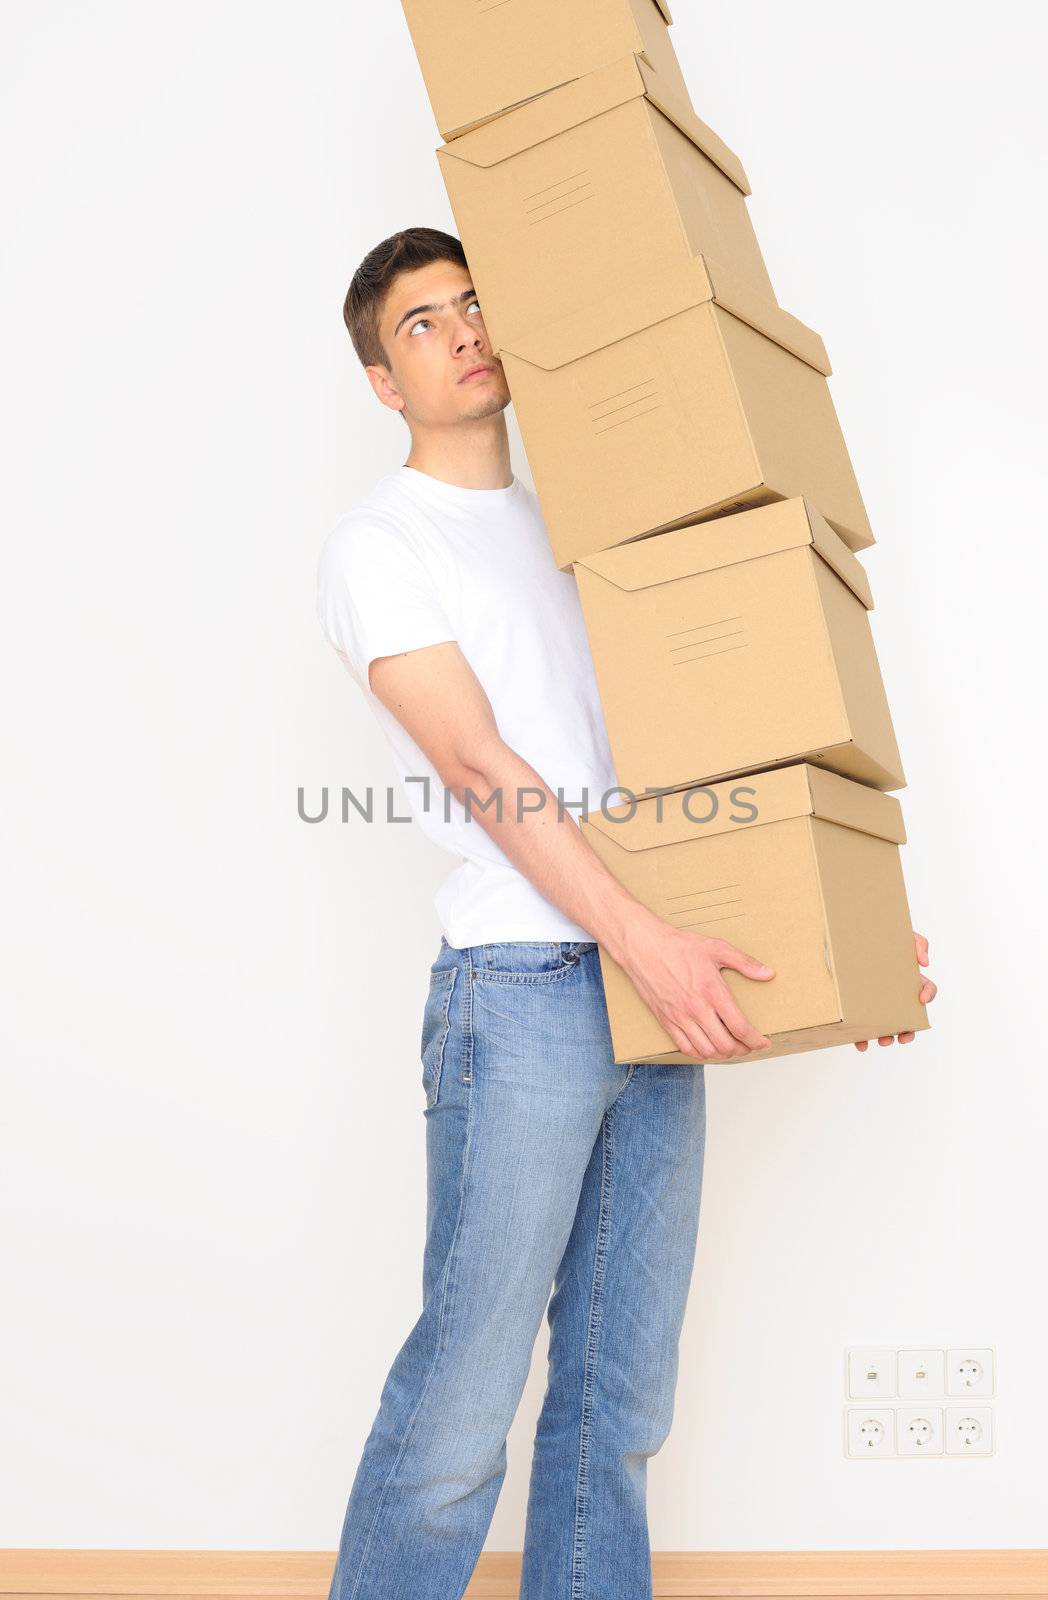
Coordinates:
376 596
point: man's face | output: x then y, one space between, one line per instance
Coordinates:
432 330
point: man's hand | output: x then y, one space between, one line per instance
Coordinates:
928 992
678 976
435 695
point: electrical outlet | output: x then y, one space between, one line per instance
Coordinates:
918 1430
921 1372
969 1430
870 1372
969 1371
870 1432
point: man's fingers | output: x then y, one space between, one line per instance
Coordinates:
698 1042
689 1038
711 1035
921 945
729 955
928 991
887 1038
711 1027
680 1040
738 1024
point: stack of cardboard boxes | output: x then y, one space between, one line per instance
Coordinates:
693 475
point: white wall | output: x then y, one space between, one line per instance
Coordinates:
212 1146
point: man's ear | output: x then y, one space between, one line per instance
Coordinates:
381 380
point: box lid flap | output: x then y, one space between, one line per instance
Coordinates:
725 541
854 805
664 8
738 296
758 798
836 554
545 115
671 104
555 110
638 305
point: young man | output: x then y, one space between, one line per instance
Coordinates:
549 1164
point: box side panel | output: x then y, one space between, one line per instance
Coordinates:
541 228
871 934
724 671
713 213
860 678
794 424
756 888
519 48
647 431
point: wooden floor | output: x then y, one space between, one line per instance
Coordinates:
713 1575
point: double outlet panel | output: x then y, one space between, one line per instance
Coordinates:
945 1395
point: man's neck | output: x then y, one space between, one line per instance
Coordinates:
471 456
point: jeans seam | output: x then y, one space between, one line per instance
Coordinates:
629 1079
438 1070
446 1299
555 974
578 1556
467 1022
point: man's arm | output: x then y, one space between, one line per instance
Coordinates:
436 696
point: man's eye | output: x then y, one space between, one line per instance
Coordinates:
472 304
423 322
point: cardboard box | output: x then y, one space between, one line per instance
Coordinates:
673 400
737 645
798 867
611 177
480 57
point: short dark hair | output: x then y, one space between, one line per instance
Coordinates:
373 279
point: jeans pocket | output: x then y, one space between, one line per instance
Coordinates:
436 1025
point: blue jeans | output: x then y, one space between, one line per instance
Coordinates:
549 1165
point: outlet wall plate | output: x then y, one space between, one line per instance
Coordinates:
869 1432
919 1431
969 1430
920 1373
969 1370
870 1373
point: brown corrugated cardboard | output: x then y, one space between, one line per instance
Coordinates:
610 174
479 57
736 645
678 398
798 867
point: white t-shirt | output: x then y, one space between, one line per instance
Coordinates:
419 561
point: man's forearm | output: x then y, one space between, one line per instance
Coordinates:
676 971
549 848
